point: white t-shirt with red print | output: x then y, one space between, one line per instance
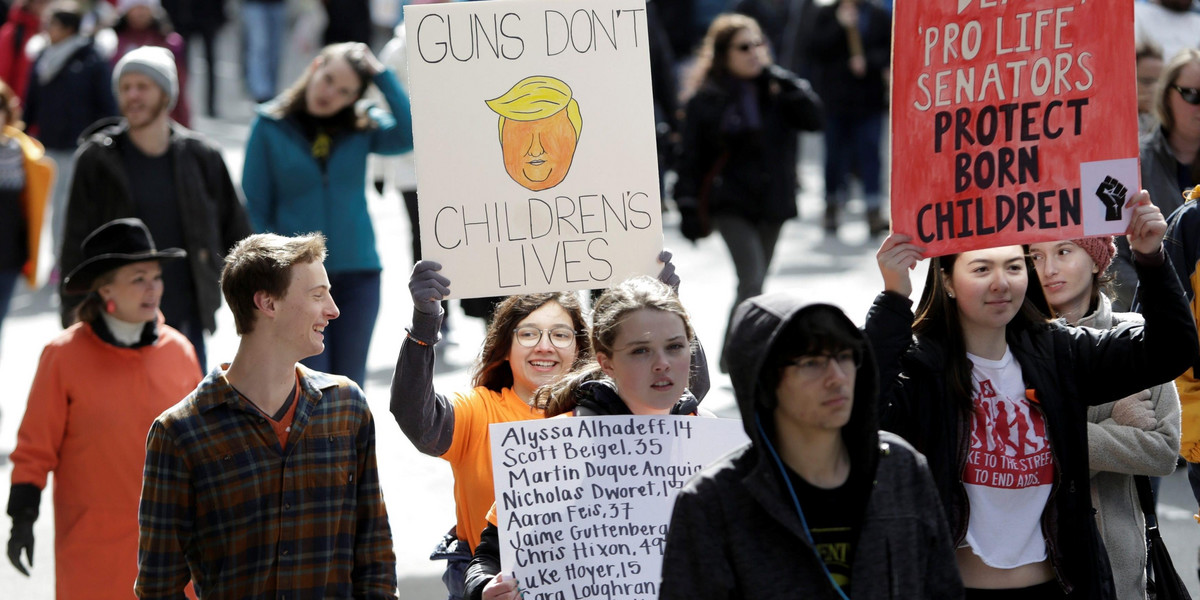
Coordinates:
1010 467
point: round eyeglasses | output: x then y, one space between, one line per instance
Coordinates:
529 336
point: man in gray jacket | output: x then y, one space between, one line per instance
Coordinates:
820 502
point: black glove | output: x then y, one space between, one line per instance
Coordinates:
21 539
428 287
781 76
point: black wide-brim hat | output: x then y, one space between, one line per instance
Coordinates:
112 245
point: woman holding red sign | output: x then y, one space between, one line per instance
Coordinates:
995 396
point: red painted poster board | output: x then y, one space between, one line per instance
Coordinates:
1012 122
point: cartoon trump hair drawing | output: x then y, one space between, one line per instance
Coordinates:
539 130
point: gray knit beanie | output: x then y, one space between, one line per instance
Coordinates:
154 62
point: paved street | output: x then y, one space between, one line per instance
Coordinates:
418 488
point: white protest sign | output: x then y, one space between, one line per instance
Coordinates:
583 504
533 126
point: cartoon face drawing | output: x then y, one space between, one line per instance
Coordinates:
539 127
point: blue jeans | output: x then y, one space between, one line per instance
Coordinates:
263 25
348 337
852 145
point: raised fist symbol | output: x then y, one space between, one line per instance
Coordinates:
1112 194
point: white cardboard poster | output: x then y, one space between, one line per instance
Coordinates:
533 126
583 504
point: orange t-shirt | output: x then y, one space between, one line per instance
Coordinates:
470 454
283 426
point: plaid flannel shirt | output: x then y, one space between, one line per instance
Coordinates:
224 506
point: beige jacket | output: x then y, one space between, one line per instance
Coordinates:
1115 454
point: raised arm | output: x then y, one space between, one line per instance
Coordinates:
1165 346
889 327
394 132
699 382
426 417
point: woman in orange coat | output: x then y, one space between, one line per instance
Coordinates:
99 385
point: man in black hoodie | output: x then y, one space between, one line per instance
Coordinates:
820 502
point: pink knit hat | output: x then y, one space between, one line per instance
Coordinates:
1101 249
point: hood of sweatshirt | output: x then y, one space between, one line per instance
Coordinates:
756 328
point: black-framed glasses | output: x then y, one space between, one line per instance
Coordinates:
816 365
529 336
1189 95
748 46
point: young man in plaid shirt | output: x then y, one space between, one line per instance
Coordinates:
262 482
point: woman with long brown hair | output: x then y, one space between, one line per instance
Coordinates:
737 171
995 396
306 170
533 340
642 341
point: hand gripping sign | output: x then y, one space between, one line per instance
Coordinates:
583 504
1012 122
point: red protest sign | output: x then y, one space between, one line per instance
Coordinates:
1012 122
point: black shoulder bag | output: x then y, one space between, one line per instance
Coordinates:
1165 583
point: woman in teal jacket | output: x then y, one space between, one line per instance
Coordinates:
305 170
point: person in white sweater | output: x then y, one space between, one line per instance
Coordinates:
1137 435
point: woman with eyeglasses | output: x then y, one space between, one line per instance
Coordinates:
642 341
1167 155
533 340
996 397
737 170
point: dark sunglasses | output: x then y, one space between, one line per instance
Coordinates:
748 46
1189 95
